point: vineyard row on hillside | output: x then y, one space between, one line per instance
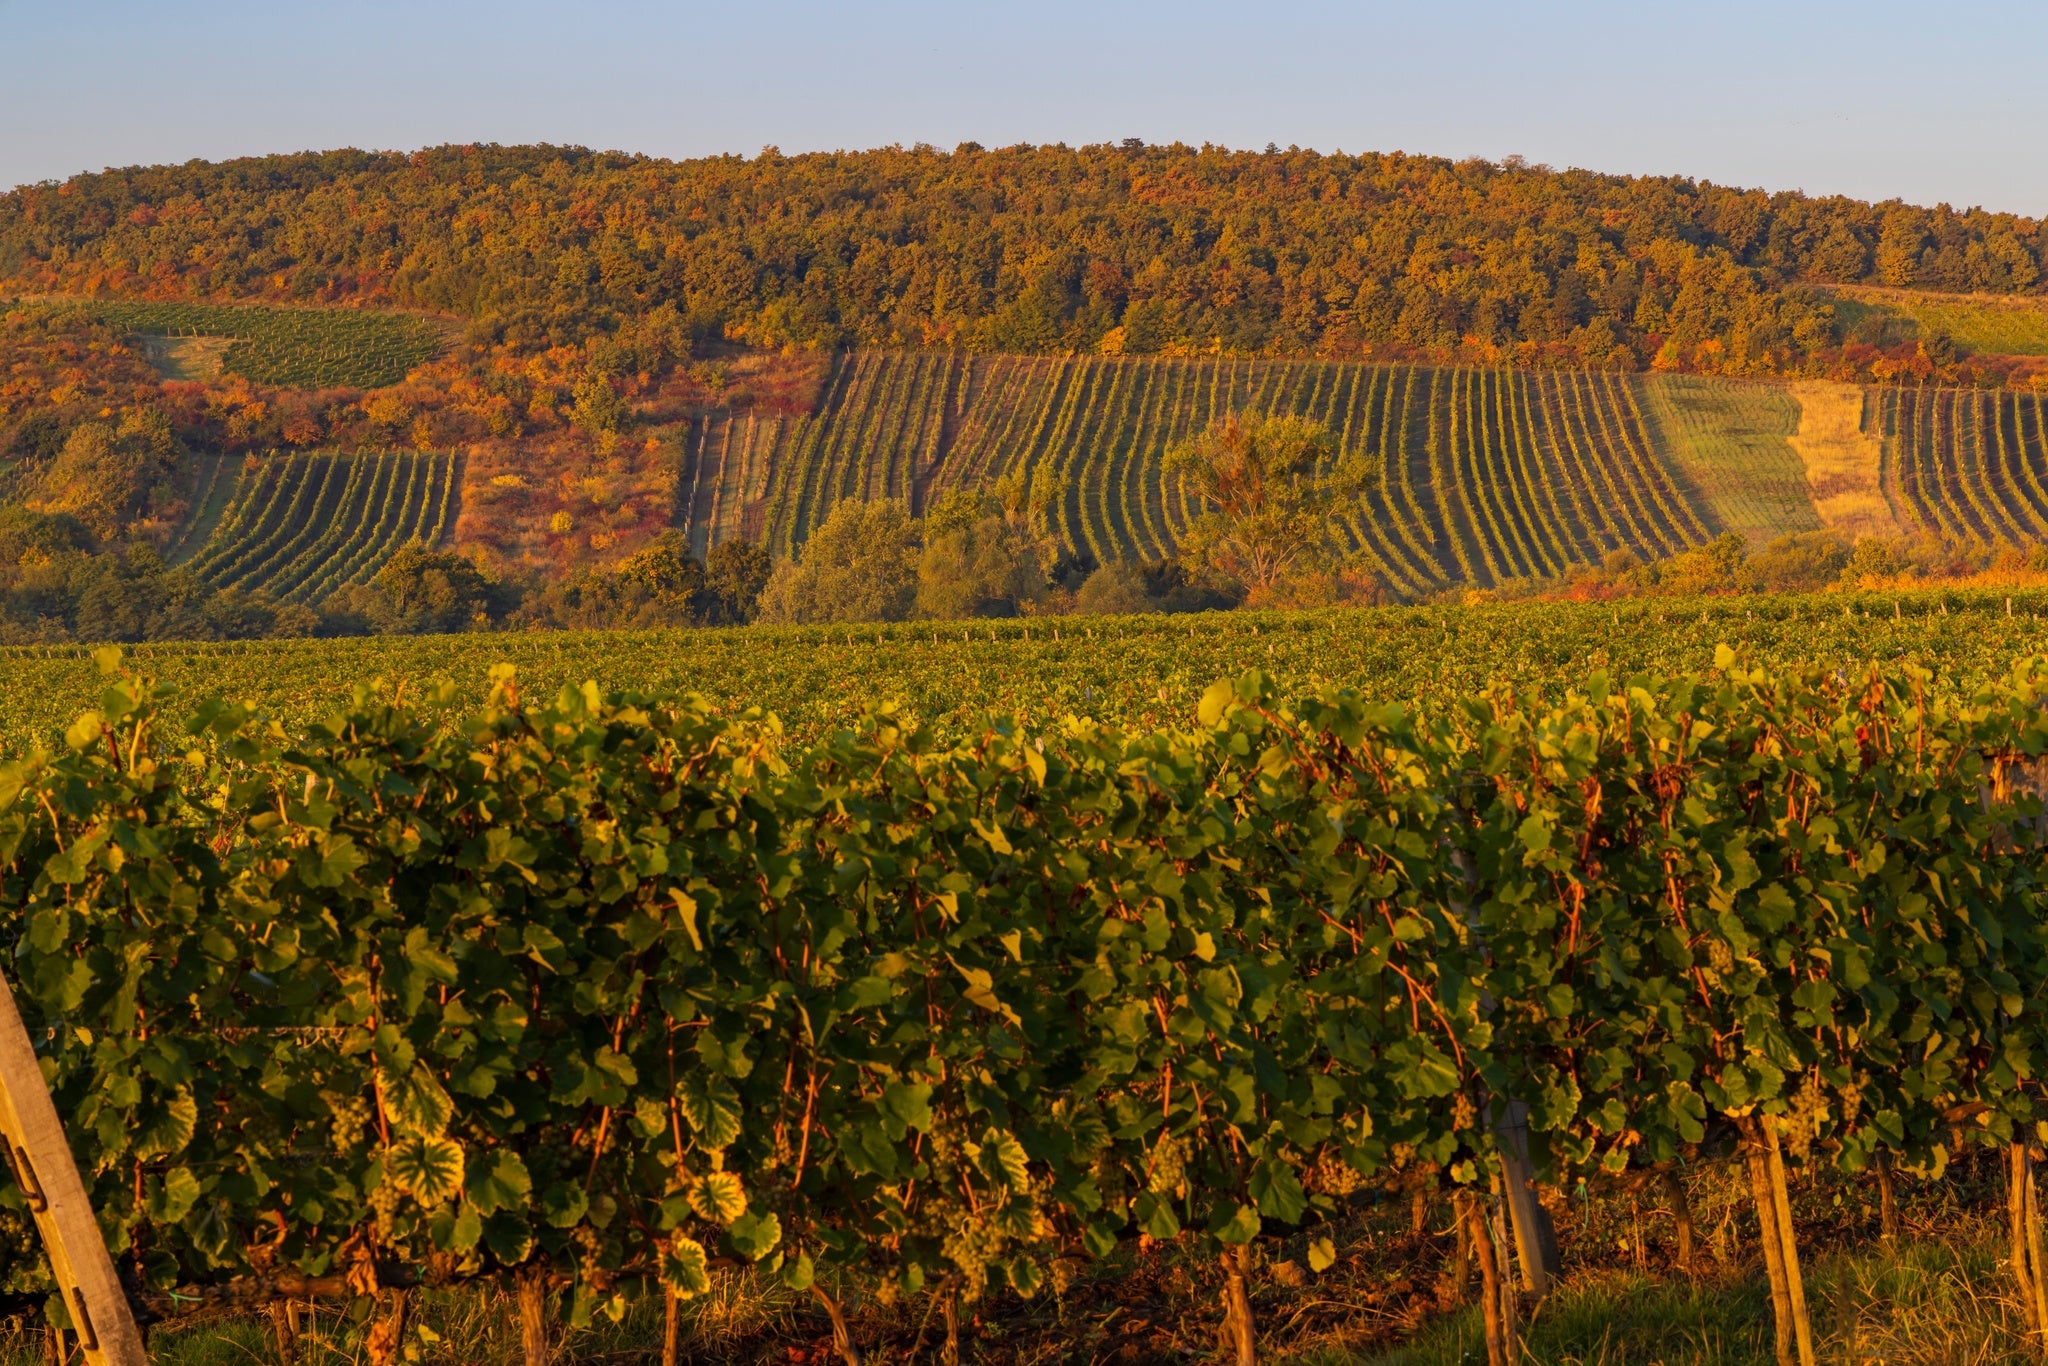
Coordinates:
613 989
1472 476
300 526
298 348
1968 464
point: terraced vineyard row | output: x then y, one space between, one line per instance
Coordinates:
1470 476
1968 463
300 526
302 348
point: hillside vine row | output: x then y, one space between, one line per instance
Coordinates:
1471 476
301 525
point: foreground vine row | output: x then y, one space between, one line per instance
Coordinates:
614 991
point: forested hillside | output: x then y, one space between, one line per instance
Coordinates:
1111 248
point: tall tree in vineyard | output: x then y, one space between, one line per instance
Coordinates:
1266 504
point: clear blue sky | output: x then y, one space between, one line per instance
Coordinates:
1925 102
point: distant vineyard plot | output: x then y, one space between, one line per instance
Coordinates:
1731 440
300 526
1968 463
301 348
1472 476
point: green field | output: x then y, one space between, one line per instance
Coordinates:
1130 670
300 526
1999 325
1728 439
294 348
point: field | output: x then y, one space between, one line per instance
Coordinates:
300 526
295 348
1844 461
1968 463
1080 1011
1992 324
1731 441
1470 476
1142 671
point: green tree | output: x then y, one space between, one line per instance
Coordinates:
735 572
980 557
417 591
598 408
1114 589
1266 503
664 568
860 565
1712 568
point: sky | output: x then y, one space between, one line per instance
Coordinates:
1881 100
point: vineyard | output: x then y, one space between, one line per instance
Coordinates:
1469 475
298 348
1968 463
299 526
616 995
1130 671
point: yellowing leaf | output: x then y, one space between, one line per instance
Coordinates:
719 1197
685 1270
429 1168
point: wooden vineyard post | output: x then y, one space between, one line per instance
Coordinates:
1534 1236
40 1158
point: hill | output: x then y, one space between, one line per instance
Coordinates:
1127 248
1530 376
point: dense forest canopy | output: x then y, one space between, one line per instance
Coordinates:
1130 248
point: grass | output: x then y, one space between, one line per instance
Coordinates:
1941 1298
1991 324
1930 1303
185 358
1843 463
473 1327
1732 442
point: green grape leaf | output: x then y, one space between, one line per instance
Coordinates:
712 1107
755 1235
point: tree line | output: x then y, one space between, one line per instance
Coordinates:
1117 248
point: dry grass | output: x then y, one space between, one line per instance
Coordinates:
185 358
1843 463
